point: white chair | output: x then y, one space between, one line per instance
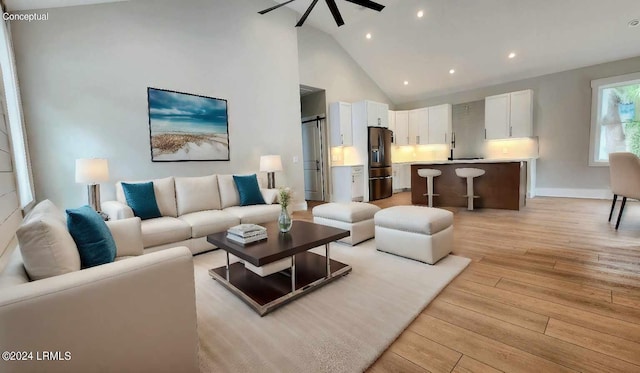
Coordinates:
470 174
624 171
429 174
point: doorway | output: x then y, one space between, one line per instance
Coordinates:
314 153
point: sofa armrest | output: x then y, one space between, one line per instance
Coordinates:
117 210
133 315
127 233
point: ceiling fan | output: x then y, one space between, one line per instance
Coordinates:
332 7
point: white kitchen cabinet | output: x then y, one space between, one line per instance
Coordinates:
440 124
340 123
521 110
401 133
509 115
401 173
373 114
392 125
347 183
419 126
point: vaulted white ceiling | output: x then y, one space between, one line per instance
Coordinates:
474 37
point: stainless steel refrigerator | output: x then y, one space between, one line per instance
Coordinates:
380 174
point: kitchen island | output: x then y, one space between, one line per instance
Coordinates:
503 186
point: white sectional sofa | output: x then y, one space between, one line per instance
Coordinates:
191 209
105 316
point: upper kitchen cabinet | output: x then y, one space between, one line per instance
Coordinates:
340 123
439 124
419 126
374 114
401 132
392 125
509 115
431 125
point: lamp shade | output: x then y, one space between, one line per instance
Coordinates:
92 171
270 163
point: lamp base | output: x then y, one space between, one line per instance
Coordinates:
271 180
93 195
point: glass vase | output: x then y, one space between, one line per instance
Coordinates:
284 220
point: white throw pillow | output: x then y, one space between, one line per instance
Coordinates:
43 208
229 195
195 194
47 248
165 191
270 195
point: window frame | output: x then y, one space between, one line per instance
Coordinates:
597 86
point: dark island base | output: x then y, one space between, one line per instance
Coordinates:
265 294
503 186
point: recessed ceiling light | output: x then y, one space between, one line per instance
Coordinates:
512 55
368 35
452 71
420 14
406 82
634 23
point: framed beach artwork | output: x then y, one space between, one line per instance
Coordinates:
187 127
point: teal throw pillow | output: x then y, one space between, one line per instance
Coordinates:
142 200
92 237
249 190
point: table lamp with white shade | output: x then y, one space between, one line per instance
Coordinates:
270 164
92 172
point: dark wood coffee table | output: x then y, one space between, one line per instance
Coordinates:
308 271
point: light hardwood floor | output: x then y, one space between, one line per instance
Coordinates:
552 288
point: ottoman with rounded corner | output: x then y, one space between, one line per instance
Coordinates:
420 233
356 217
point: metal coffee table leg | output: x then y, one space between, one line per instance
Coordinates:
227 266
293 273
326 246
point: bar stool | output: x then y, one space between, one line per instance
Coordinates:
429 174
470 173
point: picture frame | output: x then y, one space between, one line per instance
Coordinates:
187 127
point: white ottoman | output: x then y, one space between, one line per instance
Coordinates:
356 217
420 233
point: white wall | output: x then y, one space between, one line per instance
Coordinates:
325 64
562 121
84 75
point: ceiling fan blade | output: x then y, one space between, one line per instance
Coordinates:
335 12
367 4
275 7
306 14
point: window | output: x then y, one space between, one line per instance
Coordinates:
14 116
615 117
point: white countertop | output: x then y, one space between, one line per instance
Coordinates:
471 161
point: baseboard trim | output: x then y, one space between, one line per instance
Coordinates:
574 193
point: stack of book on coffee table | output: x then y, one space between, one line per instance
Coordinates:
247 233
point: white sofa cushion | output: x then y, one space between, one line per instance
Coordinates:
255 214
127 234
163 230
203 223
47 248
229 195
197 194
165 191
